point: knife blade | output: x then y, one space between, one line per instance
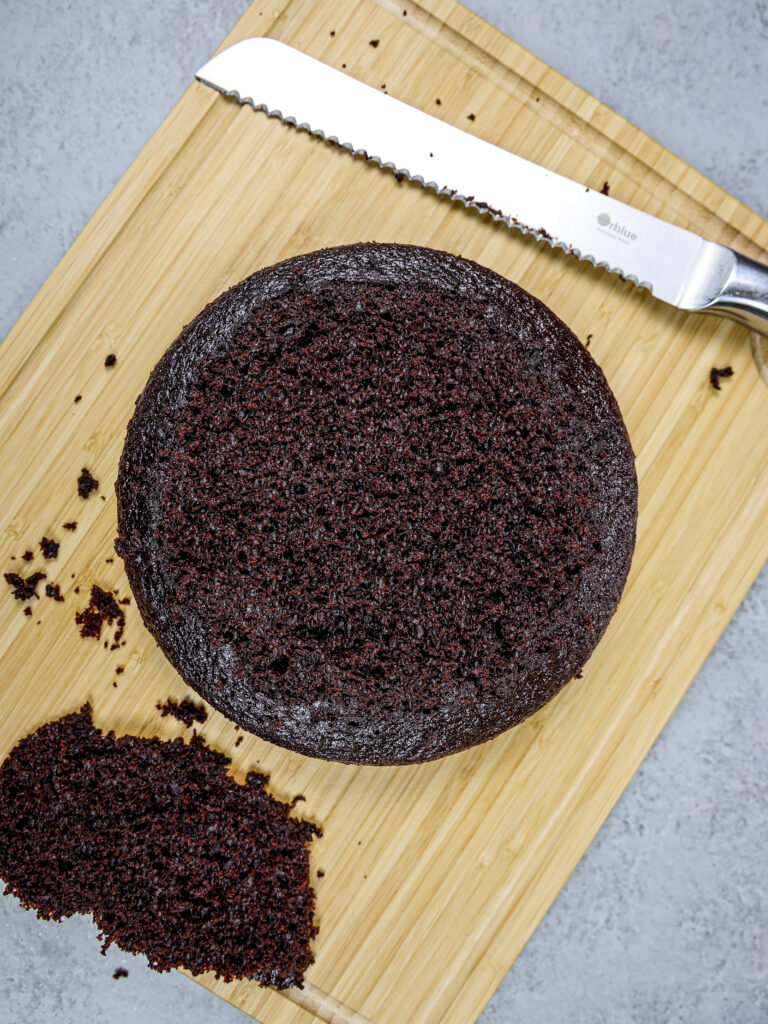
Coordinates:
675 265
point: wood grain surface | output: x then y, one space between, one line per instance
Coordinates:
434 875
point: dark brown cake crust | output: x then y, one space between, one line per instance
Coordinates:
377 504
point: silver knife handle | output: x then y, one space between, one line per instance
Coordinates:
744 295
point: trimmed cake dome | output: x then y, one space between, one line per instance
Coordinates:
377 504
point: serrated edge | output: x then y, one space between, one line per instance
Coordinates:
541 235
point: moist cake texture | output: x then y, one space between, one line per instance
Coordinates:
170 856
377 504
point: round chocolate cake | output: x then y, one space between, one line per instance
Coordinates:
377 504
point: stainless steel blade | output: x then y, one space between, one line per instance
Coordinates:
676 265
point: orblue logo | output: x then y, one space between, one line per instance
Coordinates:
604 220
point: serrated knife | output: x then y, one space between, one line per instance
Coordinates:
675 265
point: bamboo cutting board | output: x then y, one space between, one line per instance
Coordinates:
434 875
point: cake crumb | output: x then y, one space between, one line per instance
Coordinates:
119 670
110 360
438 102
28 556
606 189
23 589
186 711
78 398
102 608
470 117
86 483
50 548
715 374
589 339
374 43
238 741
320 873
121 972
332 32
52 590
27 610
71 526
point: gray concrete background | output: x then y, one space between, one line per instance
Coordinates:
664 919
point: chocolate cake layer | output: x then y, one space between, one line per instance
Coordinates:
157 842
377 504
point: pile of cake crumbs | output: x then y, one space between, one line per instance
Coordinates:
102 607
86 483
186 711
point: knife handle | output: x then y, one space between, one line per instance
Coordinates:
744 296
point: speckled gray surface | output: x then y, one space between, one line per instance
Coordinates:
665 918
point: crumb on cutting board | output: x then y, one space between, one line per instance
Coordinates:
49 547
715 375
86 483
185 711
23 589
102 608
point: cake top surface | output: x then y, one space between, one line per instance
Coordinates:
377 503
